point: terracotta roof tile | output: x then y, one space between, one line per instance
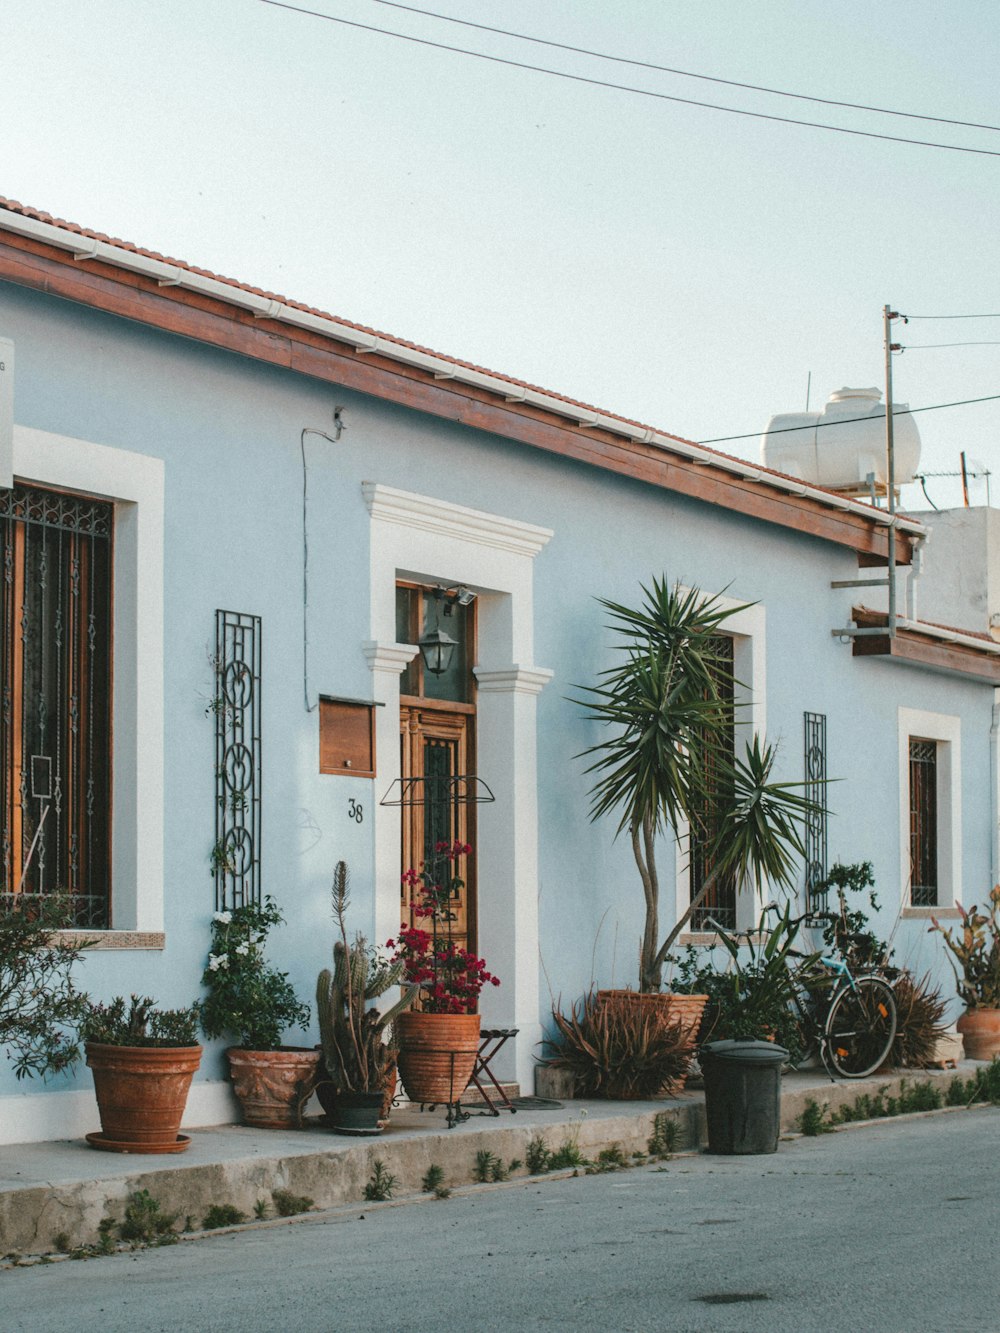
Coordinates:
13 206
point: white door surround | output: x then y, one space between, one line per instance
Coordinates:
425 540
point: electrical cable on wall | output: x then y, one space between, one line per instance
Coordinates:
339 427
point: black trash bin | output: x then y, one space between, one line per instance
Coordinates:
742 1095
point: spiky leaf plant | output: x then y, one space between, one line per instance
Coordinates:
352 1032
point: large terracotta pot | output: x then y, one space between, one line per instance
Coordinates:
437 1054
273 1086
141 1095
980 1029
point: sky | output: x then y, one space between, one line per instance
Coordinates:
696 270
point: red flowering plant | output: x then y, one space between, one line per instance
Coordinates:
450 978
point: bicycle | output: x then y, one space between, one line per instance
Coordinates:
850 1019
858 1026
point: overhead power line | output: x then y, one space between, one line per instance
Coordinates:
917 347
953 316
626 88
684 73
846 421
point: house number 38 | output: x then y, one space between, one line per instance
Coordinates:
355 811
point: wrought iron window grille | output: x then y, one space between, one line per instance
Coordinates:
815 832
236 705
55 701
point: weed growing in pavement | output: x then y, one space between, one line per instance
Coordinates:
813 1121
289 1204
489 1167
609 1159
222 1215
664 1140
381 1185
433 1182
538 1155
144 1223
260 1209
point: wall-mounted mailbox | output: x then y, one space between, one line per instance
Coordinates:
347 737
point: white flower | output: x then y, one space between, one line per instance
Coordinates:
217 960
243 949
223 918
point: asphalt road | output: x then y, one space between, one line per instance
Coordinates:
892 1227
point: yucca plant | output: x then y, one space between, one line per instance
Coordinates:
670 728
352 1031
618 1051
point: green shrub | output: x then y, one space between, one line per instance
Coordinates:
222 1215
381 1184
144 1223
288 1204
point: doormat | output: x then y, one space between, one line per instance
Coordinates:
536 1104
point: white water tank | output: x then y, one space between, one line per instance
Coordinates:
839 447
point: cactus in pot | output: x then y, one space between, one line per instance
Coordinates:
358 1058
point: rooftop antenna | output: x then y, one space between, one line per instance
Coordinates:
808 388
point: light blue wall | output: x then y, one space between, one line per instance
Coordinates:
228 431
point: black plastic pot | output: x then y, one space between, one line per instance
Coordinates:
357 1113
742 1095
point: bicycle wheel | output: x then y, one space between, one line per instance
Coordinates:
860 1027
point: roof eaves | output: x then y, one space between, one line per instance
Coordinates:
85 244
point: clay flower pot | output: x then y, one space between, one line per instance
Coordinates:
437 1054
273 1086
141 1095
980 1029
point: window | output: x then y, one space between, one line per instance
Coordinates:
930 811
55 686
720 903
923 823
417 611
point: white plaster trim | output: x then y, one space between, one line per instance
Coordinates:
135 483
420 539
513 679
946 729
394 657
450 520
748 629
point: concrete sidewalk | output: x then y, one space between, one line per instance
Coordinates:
64 1189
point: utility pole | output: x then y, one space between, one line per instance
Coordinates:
888 315
889 583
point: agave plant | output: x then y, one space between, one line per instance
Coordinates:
352 1031
670 728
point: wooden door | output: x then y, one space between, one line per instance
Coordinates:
437 746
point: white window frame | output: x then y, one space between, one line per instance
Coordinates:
134 483
748 630
946 730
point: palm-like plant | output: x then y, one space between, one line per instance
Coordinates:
672 728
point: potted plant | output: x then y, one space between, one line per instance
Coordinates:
359 1065
975 959
439 1042
670 729
256 1003
750 999
143 1060
40 1007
